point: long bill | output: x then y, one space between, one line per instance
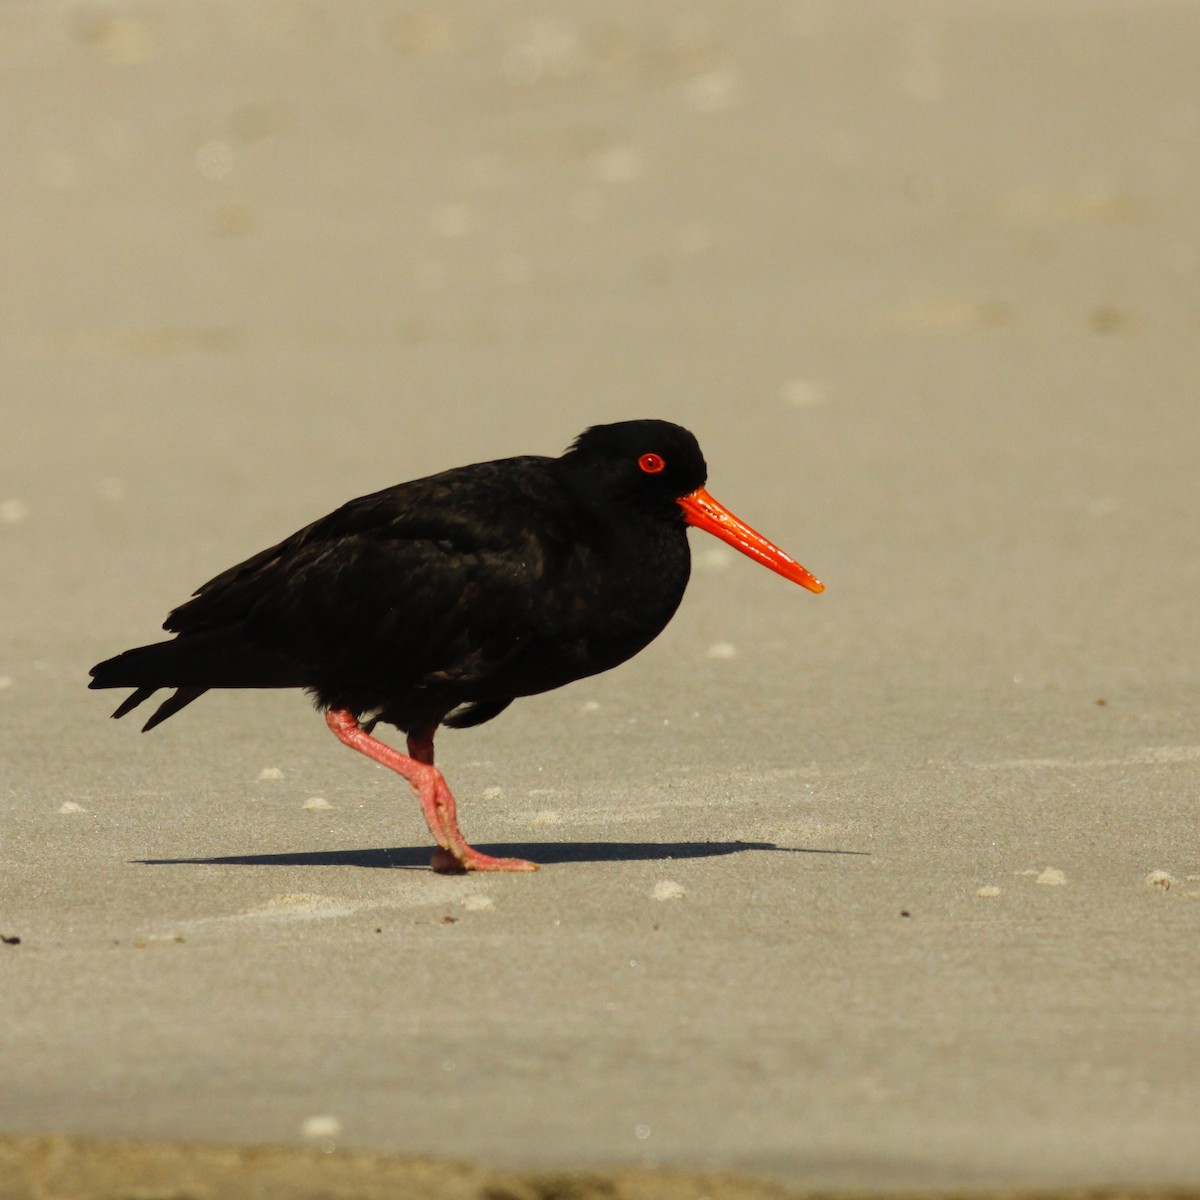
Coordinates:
701 510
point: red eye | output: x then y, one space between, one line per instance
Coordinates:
652 463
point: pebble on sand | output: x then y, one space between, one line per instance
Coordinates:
667 889
321 1128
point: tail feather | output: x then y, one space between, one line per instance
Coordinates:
191 664
131 702
178 699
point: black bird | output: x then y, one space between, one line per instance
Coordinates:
440 601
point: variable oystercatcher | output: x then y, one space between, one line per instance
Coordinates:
440 601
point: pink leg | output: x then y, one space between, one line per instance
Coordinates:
437 801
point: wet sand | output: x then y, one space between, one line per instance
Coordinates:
90 1170
38 1167
895 888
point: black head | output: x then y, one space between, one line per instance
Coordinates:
657 468
647 463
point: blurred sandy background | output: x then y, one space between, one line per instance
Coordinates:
922 277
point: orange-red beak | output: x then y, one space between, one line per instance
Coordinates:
705 513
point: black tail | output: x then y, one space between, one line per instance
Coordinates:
148 668
190 664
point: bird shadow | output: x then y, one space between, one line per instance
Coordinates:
543 853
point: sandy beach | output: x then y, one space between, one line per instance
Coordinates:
892 889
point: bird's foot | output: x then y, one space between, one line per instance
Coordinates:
449 862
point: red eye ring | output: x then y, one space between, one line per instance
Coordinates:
652 463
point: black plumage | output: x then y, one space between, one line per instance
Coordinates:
441 600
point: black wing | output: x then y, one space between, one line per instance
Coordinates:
414 593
